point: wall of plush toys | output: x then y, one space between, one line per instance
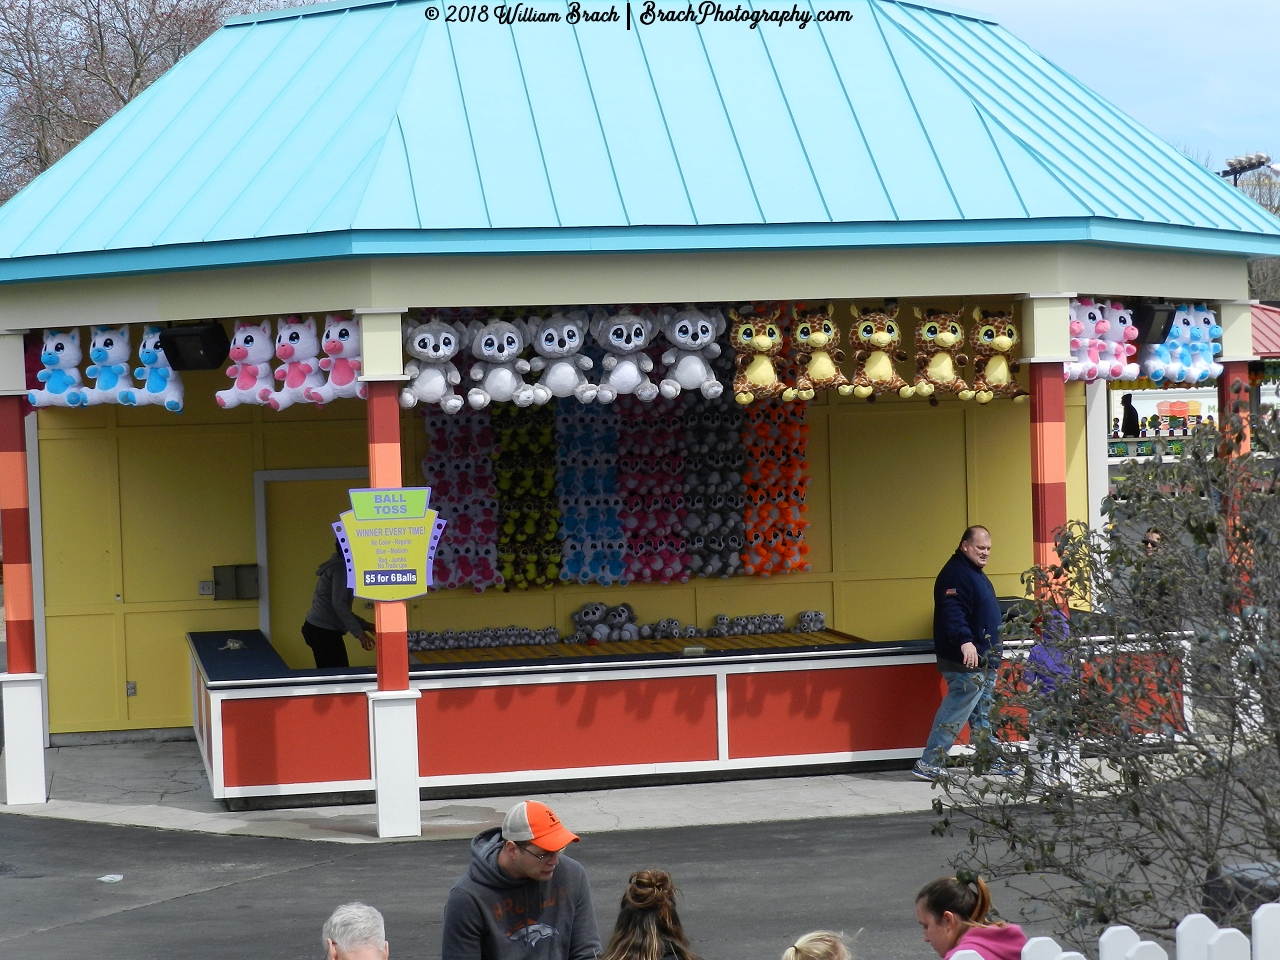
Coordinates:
1104 347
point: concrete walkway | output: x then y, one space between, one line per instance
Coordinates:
164 785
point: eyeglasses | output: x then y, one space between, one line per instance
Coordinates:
541 856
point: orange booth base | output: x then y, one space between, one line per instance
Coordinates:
308 732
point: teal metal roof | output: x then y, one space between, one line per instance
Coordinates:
361 129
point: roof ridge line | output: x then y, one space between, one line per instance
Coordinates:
311 10
334 6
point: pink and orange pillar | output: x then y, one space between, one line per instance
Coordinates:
15 531
391 618
393 707
23 686
1048 459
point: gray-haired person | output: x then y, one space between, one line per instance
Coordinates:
355 931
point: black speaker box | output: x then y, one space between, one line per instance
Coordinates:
202 346
1153 321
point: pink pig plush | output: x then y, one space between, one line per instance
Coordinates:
251 350
298 345
341 345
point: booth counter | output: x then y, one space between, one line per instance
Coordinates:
266 730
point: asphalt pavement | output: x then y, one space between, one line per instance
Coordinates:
748 890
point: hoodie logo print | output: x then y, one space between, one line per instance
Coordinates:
533 934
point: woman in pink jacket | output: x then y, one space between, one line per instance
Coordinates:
954 917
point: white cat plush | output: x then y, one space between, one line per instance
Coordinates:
298 346
1086 329
557 340
341 345
109 352
1117 361
497 344
433 345
251 350
160 384
626 366
692 335
61 357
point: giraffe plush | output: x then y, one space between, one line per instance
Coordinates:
993 338
879 342
816 336
757 346
939 342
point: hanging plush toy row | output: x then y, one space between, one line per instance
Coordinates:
780 352
562 365
760 338
314 368
110 378
1103 347
1190 349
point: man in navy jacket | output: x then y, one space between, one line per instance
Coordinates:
966 641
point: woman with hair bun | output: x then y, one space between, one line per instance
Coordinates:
819 945
953 914
648 927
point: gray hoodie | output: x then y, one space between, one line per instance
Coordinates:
331 603
491 916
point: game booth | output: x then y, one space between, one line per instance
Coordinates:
642 455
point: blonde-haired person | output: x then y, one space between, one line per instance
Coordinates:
819 945
648 927
953 914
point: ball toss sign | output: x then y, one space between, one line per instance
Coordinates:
389 539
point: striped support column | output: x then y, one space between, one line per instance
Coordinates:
15 528
391 619
1048 459
1234 402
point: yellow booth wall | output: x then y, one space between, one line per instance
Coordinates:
138 506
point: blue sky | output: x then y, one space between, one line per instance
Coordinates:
1202 74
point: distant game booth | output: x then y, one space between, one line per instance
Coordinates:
643 416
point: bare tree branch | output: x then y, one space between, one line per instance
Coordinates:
67 65
1150 756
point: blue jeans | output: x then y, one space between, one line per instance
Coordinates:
968 700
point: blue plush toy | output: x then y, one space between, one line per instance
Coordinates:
109 351
61 374
1167 362
161 384
1206 347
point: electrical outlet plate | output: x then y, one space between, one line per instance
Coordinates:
204 588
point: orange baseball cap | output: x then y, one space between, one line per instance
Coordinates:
531 821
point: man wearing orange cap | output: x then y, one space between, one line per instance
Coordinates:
521 897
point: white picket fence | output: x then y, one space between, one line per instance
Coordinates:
1198 938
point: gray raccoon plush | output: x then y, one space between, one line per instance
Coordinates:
811 621
589 625
557 340
626 366
497 345
621 621
432 375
